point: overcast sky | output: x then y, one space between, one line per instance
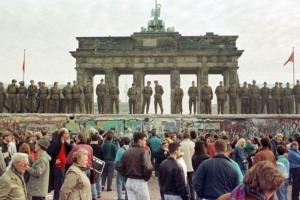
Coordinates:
267 30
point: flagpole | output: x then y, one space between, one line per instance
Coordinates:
294 68
24 66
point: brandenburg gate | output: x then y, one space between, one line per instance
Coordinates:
157 50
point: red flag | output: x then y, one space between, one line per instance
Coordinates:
23 67
291 59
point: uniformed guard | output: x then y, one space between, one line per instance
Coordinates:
12 91
76 97
232 92
43 97
88 95
296 92
38 98
3 97
178 96
254 94
244 95
22 94
32 91
132 94
288 99
159 91
54 98
101 94
281 106
147 93
206 97
114 98
264 98
193 97
275 93
67 92
221 97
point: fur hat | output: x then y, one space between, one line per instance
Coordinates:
43 142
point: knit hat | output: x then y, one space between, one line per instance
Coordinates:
43 142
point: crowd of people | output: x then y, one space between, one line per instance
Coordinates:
253 100
187 165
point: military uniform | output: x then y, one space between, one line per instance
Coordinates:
275 93
32 91
22 94
67 92
159 91
3 97
12 91
54 99
76 97
88 94
114 98
147 93
132 94
244 95
220 91
281 105
178 96
254 94
101 93
232 92
264 94
194 95
206 96
43 98
296 92
288 99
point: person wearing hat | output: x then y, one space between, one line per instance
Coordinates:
32 91
178 96
76 97
54 98
37 185
38 98
206 97
12 91
281 105
254 95
159 91
275 93
67 92
88 97
288 99
264 95
193 97
244 95
232 92
147 93
114 98
43 98
296 92
3 97
132 94
220 91
101 95
22 94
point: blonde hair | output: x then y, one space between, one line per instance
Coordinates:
240 141
79 154
38 135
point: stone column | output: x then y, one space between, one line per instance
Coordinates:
139 80
174 79
202 75
111 77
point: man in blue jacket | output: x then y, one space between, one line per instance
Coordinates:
216 176
294 159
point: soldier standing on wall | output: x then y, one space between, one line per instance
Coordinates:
12 91
264 95
288 98
38 98
178 96
54 98
254 94
3 97
194 95
132 94
88 94
296 92
147 93
206 97
232 92
22 94
76 96
221 97
101 93
159 91
281 98
32 91
244 94
43 97
114 98
67 92
275 93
